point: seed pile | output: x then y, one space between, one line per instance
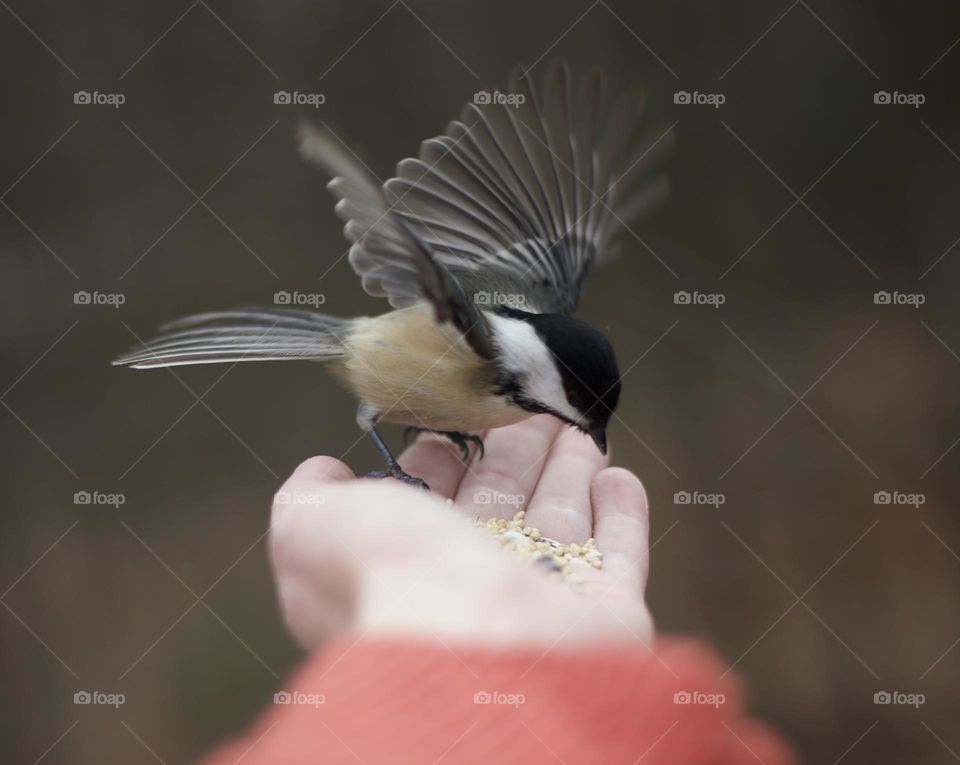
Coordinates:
529 544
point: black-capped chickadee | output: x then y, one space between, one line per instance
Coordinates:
481 245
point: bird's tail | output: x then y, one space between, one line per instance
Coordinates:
244 334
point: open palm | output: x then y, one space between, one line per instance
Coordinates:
381 557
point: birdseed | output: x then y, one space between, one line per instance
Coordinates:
527 543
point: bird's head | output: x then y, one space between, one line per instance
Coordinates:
558 365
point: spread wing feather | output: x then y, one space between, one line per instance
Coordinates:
522 195
391 256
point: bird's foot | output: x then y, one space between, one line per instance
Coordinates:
395 471
459 439
462 439
410 434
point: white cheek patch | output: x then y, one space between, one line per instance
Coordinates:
522 351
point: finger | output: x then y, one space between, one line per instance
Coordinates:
437 461
622 526
502 482
303 490
321 469
560 507
313 605
303 485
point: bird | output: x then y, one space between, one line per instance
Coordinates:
481 244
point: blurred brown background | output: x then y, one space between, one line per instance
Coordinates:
103 199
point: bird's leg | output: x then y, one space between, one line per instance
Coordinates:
459 439
393 467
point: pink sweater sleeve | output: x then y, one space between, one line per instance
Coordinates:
378 701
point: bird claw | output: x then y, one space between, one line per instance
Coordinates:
459 439
462 439
397 473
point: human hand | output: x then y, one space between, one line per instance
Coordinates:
382 558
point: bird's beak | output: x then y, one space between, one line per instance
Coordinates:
599 436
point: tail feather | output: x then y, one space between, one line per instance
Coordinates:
281 317
246 334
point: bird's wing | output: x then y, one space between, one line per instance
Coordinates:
388 253
516 201
528 190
